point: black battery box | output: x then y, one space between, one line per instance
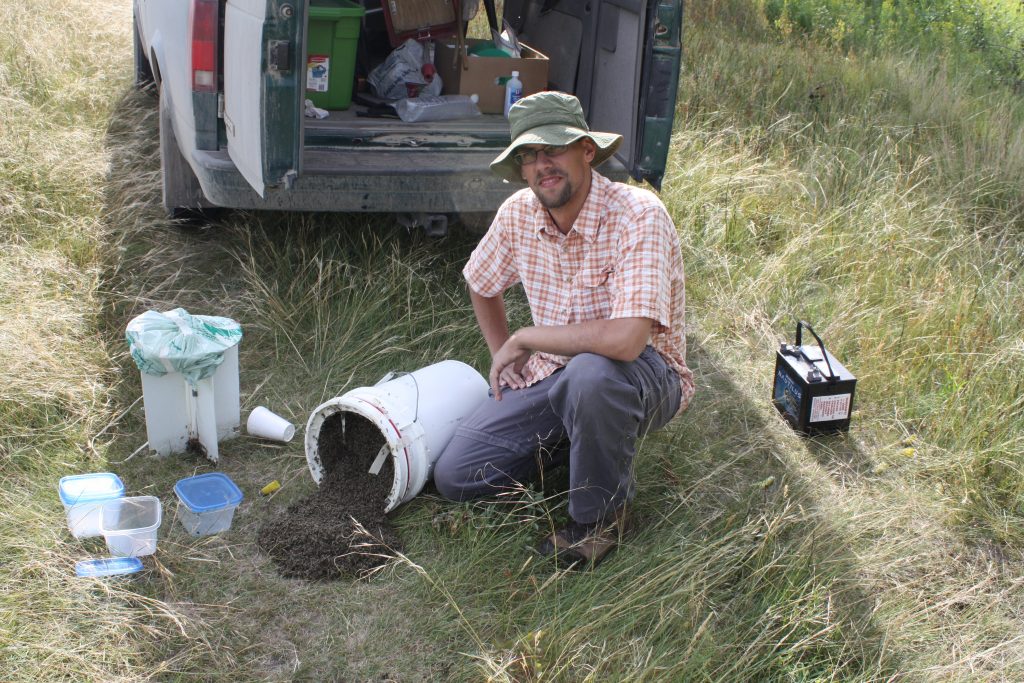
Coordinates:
813 391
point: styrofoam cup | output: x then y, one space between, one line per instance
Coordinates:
269 425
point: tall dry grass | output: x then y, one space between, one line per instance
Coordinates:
62 73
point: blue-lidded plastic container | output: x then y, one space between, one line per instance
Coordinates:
207 503
108 566
83 496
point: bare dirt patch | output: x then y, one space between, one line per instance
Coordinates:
317 538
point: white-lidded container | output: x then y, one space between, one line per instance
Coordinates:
207 503
83 495
130 524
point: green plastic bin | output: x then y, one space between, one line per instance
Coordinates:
331 52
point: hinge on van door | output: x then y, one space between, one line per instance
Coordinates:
279 57
220 105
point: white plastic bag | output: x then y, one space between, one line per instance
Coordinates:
404 65
175 341
315 112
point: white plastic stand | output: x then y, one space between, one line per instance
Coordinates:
177 415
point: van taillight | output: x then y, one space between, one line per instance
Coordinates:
203 19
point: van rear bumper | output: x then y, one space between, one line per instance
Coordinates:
371 180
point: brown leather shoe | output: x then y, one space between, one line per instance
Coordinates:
584 546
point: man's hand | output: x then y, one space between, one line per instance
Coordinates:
620 339
506 366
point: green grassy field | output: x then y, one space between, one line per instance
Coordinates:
985 36
876 193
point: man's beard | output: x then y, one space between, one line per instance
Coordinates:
560 200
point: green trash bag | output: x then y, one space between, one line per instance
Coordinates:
175 341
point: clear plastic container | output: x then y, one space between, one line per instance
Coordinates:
83 495
207 503
130 525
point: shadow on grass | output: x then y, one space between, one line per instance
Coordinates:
736 575
776 579
840 455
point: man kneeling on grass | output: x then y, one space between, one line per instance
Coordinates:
605 361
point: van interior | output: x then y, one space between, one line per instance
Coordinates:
577 42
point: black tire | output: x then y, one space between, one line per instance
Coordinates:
143 70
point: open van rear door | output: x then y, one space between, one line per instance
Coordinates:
621 58
262 77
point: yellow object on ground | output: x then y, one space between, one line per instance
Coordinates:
270 488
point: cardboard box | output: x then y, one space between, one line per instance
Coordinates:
464 74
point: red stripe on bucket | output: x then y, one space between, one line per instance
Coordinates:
405 449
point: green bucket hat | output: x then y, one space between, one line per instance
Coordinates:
549 118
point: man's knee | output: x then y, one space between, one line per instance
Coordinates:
595 389
471 468
591 370
588 376
450 475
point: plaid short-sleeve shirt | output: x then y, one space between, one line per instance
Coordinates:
621 259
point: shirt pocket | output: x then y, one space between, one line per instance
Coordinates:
594 292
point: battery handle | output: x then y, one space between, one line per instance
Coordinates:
799 329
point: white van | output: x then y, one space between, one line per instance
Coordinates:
231 78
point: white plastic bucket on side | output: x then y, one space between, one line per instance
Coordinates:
416 413
175 415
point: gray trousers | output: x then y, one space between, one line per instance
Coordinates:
601 405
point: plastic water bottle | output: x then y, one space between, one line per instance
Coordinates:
513 91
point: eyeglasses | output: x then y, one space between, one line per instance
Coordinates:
529 156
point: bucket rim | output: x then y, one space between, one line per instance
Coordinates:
380 419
